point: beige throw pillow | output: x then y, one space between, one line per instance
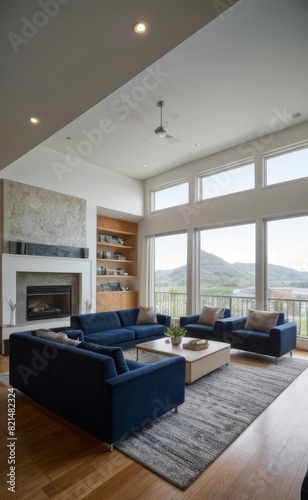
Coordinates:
210 314
263 321
146 316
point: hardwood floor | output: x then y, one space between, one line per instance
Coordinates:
55 460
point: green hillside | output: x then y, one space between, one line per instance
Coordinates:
217 272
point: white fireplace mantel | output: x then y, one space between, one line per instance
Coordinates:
12 264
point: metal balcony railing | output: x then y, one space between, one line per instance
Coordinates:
295 309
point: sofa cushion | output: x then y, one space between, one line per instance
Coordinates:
143 331
128 317
210 314
199 328
262 321
249 336
97 322
115 353
146 316
59 337
110 337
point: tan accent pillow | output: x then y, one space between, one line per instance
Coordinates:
263 321
59 337
210 314
146 316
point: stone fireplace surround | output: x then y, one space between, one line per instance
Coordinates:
13 264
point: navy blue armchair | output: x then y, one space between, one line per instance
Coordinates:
280 339
203 330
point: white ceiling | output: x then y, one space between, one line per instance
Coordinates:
224 81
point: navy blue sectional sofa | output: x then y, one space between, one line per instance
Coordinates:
94 387
119 328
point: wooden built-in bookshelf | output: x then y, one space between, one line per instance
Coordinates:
116 264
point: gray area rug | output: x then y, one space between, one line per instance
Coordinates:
217 409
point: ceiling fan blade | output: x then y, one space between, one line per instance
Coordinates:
171 139
146 139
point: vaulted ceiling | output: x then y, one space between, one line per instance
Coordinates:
95 84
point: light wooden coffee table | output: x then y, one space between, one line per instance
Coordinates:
198 363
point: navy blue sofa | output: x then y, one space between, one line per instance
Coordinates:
106 395
119 328
204 331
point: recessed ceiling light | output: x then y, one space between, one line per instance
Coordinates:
145 166
69 138
296 115
140 27
197 145
34 120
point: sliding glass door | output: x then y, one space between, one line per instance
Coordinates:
171 274
287 269
227 267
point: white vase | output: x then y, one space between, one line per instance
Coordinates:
12 317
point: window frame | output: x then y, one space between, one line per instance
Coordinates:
223 168
275 154
165 187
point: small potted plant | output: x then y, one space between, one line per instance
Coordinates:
175 332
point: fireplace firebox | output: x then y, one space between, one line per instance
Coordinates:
47 302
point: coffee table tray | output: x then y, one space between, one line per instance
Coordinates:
195 347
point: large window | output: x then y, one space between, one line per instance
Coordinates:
170 196
286 167
287 269
170 274
227 267
227 181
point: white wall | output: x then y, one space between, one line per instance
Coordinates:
274 201
50 169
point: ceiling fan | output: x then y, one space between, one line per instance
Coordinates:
160 131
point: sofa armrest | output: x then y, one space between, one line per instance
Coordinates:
283 338
163 319
141 395
187 320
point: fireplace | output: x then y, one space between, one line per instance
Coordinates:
47 302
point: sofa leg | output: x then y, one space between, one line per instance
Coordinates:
291 354
111 447
276 360
176 409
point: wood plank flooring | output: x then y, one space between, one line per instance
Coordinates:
55 460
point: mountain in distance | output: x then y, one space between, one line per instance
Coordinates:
216 271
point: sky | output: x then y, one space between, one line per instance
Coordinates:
287 238
287 245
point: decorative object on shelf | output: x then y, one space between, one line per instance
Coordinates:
106 238
88 304
175 332
114 286
12 310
